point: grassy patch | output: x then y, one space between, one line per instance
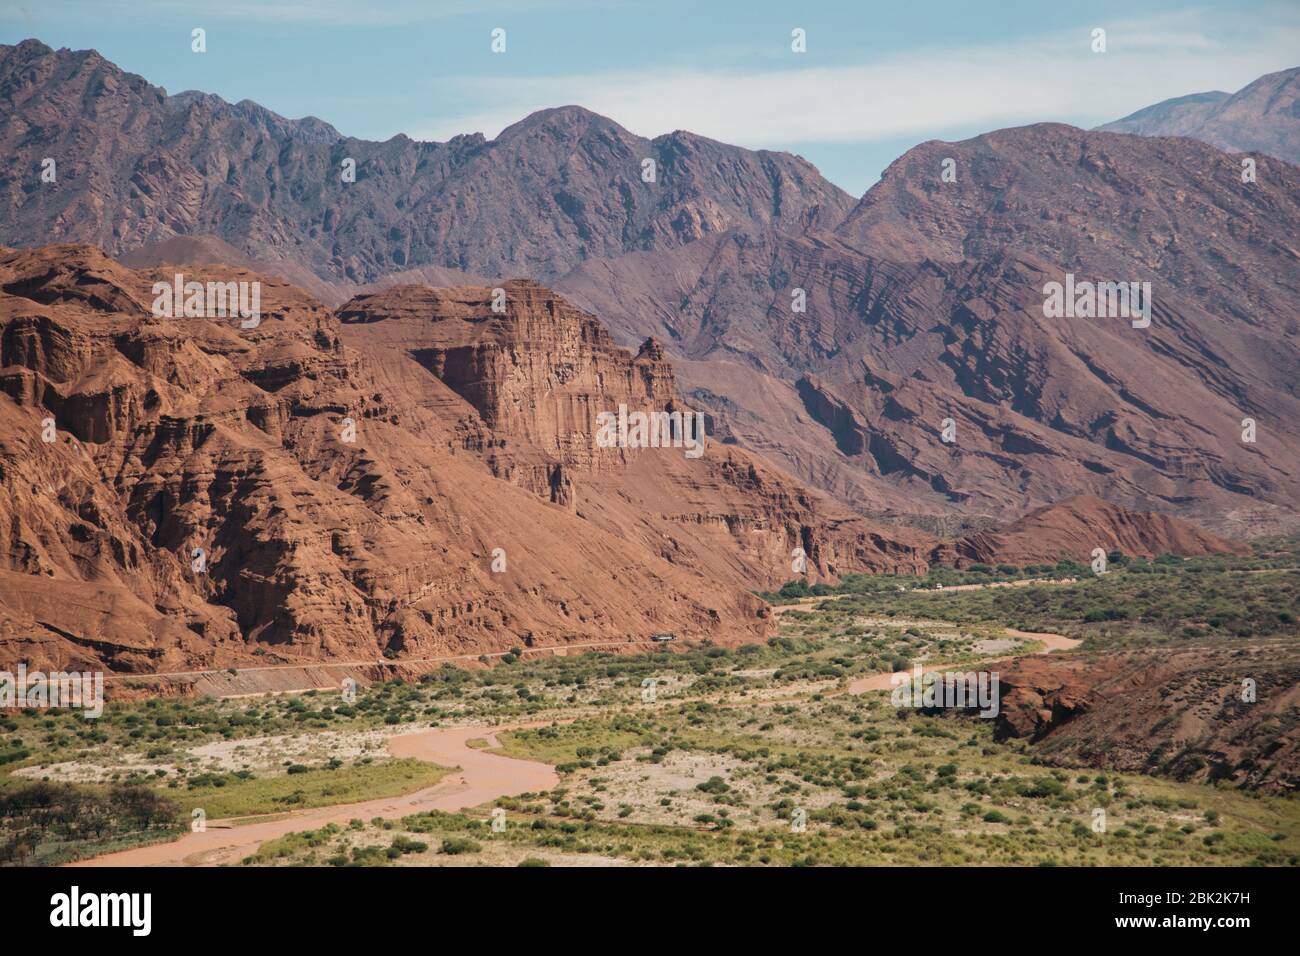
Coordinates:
318 787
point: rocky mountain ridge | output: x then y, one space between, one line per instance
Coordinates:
1263 117
415 476
920 304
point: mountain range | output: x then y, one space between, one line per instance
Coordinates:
882 383
923 300
1263 117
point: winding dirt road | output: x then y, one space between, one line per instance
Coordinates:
1051 642
482 777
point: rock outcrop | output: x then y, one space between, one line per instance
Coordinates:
1074 528
1202 713
534 379
211 494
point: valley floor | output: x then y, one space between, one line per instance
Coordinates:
789 753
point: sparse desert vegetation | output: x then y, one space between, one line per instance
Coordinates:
732 749
1136 603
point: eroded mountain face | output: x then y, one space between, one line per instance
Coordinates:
177 434
924 300
927 305
420 475
533 382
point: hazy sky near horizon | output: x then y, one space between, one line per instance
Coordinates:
876 79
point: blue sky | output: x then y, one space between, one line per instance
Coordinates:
877 77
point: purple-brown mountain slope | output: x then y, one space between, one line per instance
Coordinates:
348 478
1263 117
924 299
136 166
927 304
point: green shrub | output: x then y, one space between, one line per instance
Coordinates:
454 846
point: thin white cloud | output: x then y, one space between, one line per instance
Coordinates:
920 92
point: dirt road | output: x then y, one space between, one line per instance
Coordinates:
1051 642
482 777
811 603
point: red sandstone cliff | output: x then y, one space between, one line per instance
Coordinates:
176 434
348 479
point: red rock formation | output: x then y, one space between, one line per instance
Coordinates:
536 376
1075 527
1179 713
176 434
